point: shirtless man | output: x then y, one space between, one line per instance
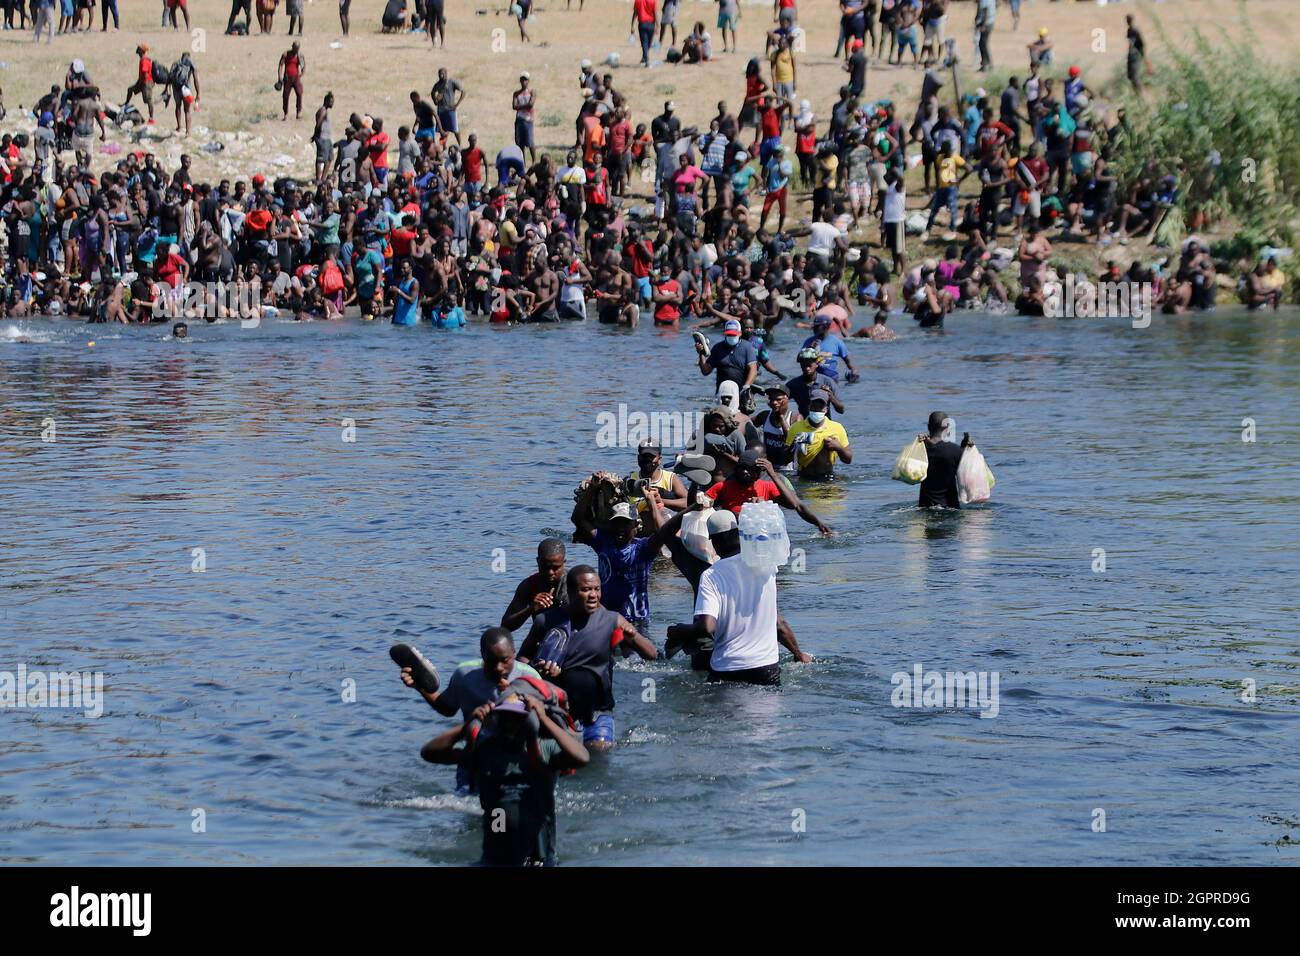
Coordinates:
322 136
545 286
616 293
85 115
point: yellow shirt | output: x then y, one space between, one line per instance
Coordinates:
948 166
808 453
783 66
664 485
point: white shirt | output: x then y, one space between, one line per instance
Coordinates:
743 602
822 238
895 205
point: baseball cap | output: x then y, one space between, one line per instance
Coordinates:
515 706
586 64
721 521
749 459
819 395
524 75
649 445
623 511
821 319
1074 71
809 355
731 327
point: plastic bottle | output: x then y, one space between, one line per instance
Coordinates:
764 544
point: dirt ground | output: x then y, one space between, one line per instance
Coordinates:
372 72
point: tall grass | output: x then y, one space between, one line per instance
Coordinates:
1228 121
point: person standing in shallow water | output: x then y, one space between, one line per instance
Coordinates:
541 591
939 487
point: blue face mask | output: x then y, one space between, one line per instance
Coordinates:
816 417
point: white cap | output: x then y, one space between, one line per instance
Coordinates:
78 66
524 75
586 64
721 521
623 510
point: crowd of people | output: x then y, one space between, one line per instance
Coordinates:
427 225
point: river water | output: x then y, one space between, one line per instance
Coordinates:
228 690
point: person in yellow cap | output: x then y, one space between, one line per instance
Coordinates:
1040 51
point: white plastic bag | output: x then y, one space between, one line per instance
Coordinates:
912 464
695 535
974 482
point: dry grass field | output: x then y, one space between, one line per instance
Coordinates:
374 72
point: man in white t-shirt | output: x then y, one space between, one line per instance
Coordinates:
892 229
824 239
736 606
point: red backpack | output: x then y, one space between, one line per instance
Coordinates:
331 278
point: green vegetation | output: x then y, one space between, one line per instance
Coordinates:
1224 119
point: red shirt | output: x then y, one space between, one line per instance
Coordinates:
990 135
771 122
620 134
146 69
731 494
644 10
402 239
642 258
668 311
378 147
473 162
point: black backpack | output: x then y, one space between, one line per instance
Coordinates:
160 73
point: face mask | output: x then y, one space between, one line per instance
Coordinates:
731 339
816 417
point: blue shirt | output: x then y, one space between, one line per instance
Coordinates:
404 313
833 349
625 575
